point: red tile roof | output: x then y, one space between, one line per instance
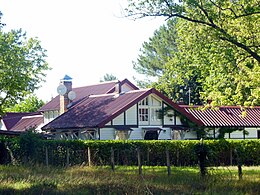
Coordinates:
82 92
96 111
225 116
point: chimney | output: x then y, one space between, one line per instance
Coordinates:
64 99
118 87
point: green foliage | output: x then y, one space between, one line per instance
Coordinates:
22 67
30 148
108 77
1 24
218 48
30 104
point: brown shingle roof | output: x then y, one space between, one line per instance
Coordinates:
225 116
96 111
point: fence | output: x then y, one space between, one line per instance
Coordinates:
112 153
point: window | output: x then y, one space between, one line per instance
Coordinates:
143 114
155 114
144 102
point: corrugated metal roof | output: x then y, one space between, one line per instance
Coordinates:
96 111
225 116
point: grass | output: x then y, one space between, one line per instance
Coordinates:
125 180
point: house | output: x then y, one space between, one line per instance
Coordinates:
244 122
111 110
120 110
16 123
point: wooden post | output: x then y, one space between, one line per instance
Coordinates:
46 157
68 157
139 161
112 159
239 164
240 171
89 157
168 162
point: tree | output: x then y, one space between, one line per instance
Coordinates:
157 51
1 24
230 21
108 77
155 54
218 42
30 104
22 67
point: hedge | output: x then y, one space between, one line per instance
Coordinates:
29 148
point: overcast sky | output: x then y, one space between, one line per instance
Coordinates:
85 39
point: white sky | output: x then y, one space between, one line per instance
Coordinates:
85 39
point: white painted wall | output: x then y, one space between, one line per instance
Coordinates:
252 133
131 118
136 134
107 134
125 88
119 120
190 135
165 134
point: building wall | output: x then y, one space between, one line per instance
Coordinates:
107 134
136 134
131 118
119 120
50 115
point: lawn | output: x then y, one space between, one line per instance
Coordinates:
126 180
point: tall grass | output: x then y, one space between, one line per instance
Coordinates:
125 180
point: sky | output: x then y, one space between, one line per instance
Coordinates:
84 39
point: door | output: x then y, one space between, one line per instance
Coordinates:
151 135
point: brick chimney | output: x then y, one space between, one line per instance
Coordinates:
64 100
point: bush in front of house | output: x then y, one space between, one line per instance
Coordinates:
30 148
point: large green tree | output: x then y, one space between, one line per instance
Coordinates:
231 21
29 104
152 60
218 41
22 67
